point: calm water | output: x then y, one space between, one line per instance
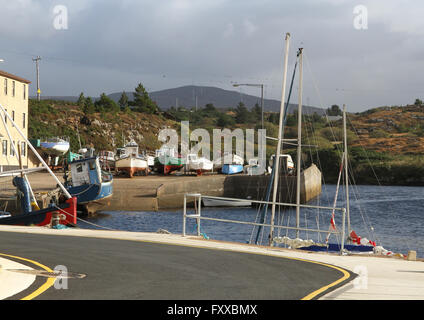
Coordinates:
391 216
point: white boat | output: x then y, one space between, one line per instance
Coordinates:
55 146
198 164
253 168
287 163
130 161
210 202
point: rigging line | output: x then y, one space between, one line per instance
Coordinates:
270 184
379 185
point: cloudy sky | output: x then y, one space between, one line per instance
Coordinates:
110 46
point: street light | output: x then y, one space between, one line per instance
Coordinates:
262 96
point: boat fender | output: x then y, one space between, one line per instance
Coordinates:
23 187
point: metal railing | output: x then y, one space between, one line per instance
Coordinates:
198 216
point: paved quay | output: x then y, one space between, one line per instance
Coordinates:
140 193
378 278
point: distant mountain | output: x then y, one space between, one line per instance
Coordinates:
187 95
220 98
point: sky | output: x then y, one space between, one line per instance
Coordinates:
363 54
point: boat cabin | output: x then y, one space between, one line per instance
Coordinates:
87 171
130 149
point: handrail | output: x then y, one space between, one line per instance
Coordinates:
198 198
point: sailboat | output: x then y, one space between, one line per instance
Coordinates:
58 212
354 242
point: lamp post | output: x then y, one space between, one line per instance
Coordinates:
262 96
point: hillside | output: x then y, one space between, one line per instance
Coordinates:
103 131
386 144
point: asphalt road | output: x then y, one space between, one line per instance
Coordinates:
128 270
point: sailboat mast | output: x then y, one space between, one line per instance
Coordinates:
279 143
346 169
299 141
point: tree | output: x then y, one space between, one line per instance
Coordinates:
224 120
106 104
242 113
142 101
81 100
334 110
418 102
123 101
88 106
210 110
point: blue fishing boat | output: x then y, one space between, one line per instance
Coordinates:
232 168
92 186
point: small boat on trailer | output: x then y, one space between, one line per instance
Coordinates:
92 186
130 161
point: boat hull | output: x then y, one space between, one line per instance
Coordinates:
92 197
166 164
225 203
131 166
43 217
232 168
54 148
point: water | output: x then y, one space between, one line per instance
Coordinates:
390 215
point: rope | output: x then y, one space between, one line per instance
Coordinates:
96 225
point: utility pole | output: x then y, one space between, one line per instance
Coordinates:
38 76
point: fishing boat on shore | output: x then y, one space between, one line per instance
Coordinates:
232 168
55 146
92 186
107 160
229 163
56 213
167 160
130 161
198 164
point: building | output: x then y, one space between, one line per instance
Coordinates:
14 99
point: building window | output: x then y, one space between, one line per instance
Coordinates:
13 88
4 147
5 87
12 152
13 116
23 149
24 92
5 116
23 121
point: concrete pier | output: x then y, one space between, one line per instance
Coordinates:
158 192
